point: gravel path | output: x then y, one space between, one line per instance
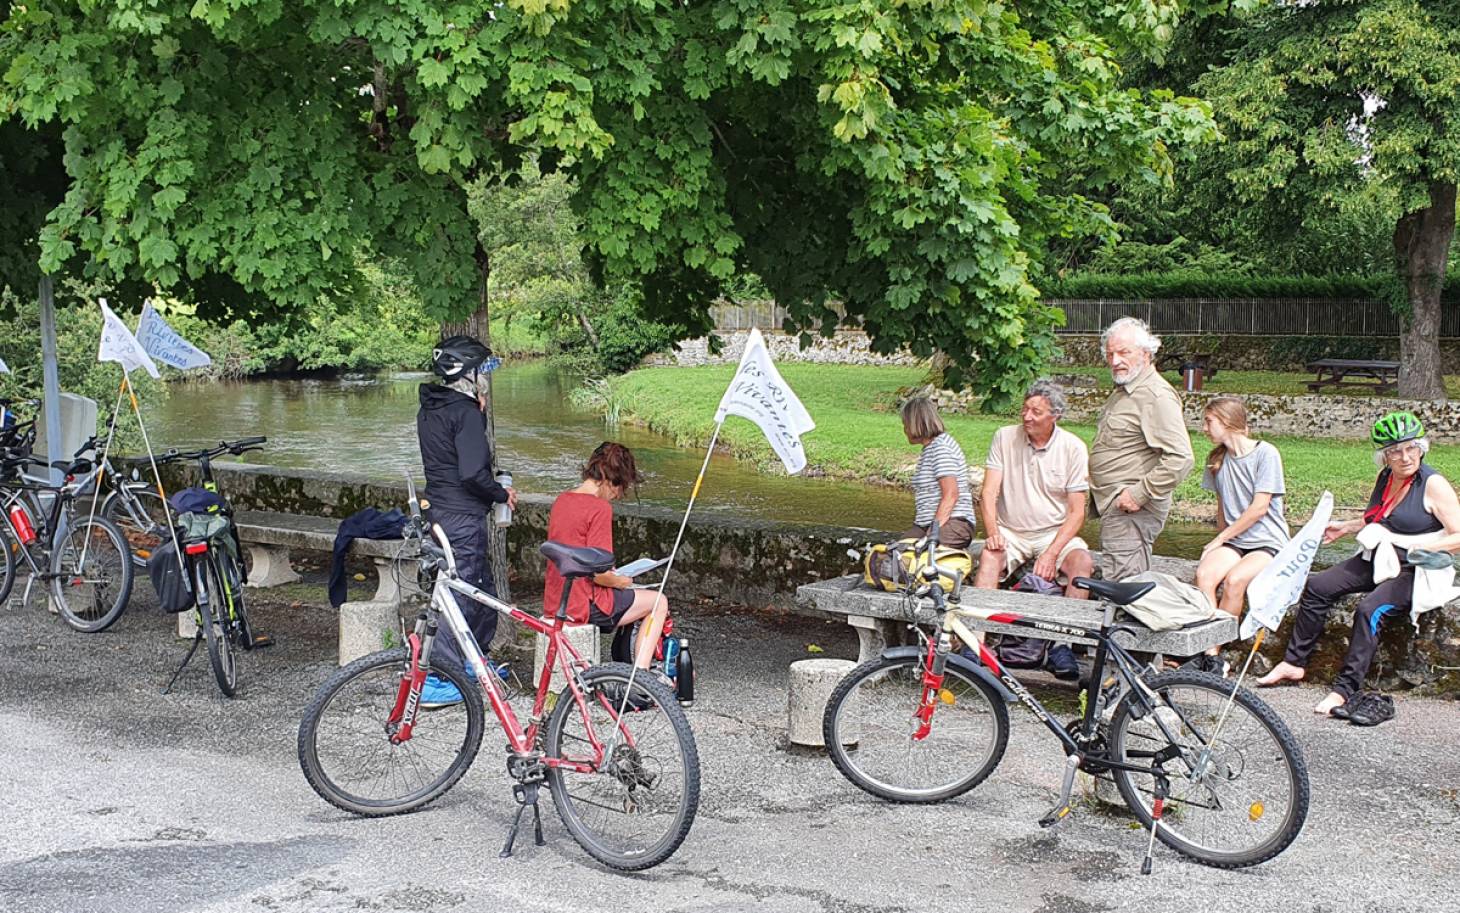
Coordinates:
122 799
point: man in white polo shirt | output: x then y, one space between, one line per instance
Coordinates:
1035 486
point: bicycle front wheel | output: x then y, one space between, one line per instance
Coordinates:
348 748
213 615
7 564
632 808
1238 785
139 513
91 571
884 738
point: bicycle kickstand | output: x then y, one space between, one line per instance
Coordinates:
1061 810
525 794
197 639
1158 805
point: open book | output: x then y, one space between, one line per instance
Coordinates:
642 566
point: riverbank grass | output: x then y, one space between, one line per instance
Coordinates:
859 436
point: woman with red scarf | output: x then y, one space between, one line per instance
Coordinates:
1412 506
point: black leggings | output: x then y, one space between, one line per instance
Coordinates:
1356 575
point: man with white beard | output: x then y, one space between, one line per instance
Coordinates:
1141 451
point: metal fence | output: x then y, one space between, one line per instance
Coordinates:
1224 316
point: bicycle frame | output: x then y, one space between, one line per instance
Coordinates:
50 527
1106 649
560 654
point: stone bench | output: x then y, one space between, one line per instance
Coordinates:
366 625
879 617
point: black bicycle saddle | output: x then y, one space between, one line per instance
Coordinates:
577 562
1114 591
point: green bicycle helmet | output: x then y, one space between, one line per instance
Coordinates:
1396 428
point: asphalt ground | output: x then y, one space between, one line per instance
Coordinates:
118 798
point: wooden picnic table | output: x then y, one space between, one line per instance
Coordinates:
1354 372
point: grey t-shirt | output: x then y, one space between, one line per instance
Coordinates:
1238 482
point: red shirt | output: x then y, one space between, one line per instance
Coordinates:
578 520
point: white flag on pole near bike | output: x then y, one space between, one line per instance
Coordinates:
119 345
165 344
1280 584
758 393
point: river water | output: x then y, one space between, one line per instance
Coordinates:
367 425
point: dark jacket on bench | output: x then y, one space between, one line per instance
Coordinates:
454 452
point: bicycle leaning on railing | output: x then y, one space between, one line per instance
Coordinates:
1203 763
626 785
51 529
212 568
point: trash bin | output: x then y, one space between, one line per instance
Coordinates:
1191 375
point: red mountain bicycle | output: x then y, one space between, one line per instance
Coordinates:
614 748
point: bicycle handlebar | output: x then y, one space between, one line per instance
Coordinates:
237 448
440 536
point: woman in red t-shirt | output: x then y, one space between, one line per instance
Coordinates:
584 517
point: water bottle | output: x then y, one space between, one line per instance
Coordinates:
20 519
502 512
671 657
685 681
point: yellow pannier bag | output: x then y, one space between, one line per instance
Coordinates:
893 566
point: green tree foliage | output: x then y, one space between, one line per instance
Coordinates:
539 275
78 333
911 161
1345 114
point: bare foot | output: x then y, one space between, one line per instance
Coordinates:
1282 672
1325 706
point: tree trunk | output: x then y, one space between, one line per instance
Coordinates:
478 325
1421 247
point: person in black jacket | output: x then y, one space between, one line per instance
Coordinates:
460 486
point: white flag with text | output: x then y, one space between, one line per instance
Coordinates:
163 343
1280 584
758 393
119 345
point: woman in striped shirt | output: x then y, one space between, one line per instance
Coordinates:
940 481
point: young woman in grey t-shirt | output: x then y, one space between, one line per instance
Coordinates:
1247 477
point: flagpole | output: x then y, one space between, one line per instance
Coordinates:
661 608
156 474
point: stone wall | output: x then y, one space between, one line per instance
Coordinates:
1261 353
1340 417
742 562
746 562
846 347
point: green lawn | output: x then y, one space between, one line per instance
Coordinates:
859 435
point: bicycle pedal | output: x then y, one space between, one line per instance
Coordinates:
1055 816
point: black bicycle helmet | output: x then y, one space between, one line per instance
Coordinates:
453 358
1396 428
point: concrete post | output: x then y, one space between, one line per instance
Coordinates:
51 376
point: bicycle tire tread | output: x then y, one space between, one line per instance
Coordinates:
843 763
685 737
1281 734
318 781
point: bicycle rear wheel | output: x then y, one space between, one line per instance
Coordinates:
140 515
91 571
633 810
1238 786
345 747
878 741
213 616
